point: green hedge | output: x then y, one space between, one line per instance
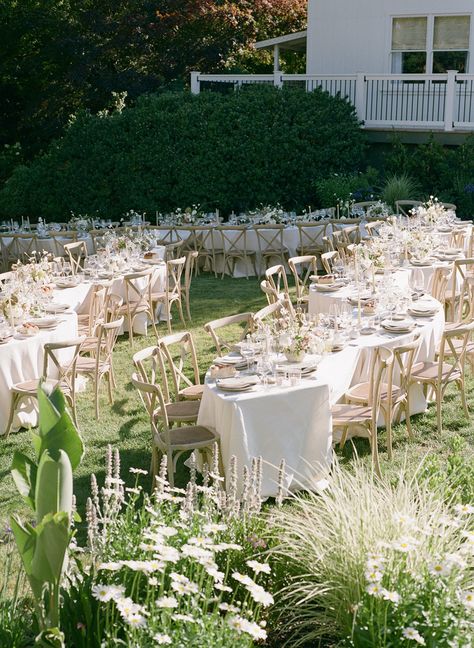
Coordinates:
231 151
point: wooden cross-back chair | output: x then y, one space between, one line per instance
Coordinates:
270 243
76 253
438 375
302 268
311 238
328 258
362 419
215 330
56 372
233 239
138 299
462 269
395 392
276 277
177 354
271 312
404 207
150 368
168 441
172 294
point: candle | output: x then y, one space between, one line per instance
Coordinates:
373 278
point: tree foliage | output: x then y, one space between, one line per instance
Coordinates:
226 151
61 56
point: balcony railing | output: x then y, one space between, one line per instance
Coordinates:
401 101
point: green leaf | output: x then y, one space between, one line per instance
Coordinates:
52 541
24 471
25 538
51 638
54 485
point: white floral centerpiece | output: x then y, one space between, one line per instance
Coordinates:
80 222
294 336
269 215
379 209
434 213
188 216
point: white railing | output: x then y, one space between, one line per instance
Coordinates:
402 101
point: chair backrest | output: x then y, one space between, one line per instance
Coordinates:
269 292
401 368
173 249
135 294
382 368
191 260
311 237
26 245
373 228
404 207
244 320
97 304
233 239
439 283
147 364
276 277
462 268
76 253
199 238
270 237
165 234
176 352
54 358
154 402
328 258
98 239
454 352
273 311
113 304
465 302
302 268
175 268
107 334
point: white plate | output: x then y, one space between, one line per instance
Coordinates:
56 308
236 384
328 287
43 322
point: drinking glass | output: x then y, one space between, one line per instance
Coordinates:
247 351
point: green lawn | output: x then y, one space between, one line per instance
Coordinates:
125 426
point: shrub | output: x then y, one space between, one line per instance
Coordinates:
374 564
342 189
399 187
259 145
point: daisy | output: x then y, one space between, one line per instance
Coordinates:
412 633
167 602
373 576
464 509
162 639
468 599
439 568
242 578
259 567
259 595
135 620
394 597
374 589
214 528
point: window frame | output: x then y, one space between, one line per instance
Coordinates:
429 45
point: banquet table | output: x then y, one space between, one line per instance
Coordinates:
294 423
22 359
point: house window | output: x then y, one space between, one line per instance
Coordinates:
451 43
430 44
409 36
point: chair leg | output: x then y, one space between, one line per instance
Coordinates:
375 452
130 330
188 306
109 387
439 419
463 398
180 310
96 399
170 469
343 440
169 317
13 405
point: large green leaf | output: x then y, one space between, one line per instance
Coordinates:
52 540
54 485
57 431
23 471
25 537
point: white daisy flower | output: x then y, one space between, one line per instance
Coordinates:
105 593
110 566
464 509
405 544
259 595
412 633
162 639
373 576
242 578
439 568
138 471
394 597
167 602
259 567
135 620
374 589
468 599
214 528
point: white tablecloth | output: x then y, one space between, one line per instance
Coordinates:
294 423
22 360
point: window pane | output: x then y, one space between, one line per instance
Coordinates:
451 32
414 62
409 34
444 61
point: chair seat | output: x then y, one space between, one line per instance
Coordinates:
429 371
238 253
457 344
275 251
360 393
88 365
350 414
308 249
191 436
193 392
135 308
31 386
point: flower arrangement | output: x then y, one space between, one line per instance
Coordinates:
379 209
188 216
268 215
80 222
295 335
433 212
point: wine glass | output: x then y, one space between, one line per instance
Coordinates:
247 351
418 281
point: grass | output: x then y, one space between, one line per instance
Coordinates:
125 425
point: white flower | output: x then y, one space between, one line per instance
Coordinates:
193 551
184 617
374 589
168 554
412 633
464 509
243 625
224 546
217 575
456 560
167 602
375 562
138 471
167 531
440 568
226 607
162 639
153 581
135 620
179 578
468 599
222 588
107 593
200 541
242 578
405 544
404 520
127 607
259 567
259 595
394 597
214 528
110 566
373 576
184 588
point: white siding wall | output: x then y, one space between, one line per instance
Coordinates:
350 36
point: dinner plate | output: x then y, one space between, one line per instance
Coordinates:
398 327
6 339
56 308
236 384
153 261
231 359
421 263
43 322
66 284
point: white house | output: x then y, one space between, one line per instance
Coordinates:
407 64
